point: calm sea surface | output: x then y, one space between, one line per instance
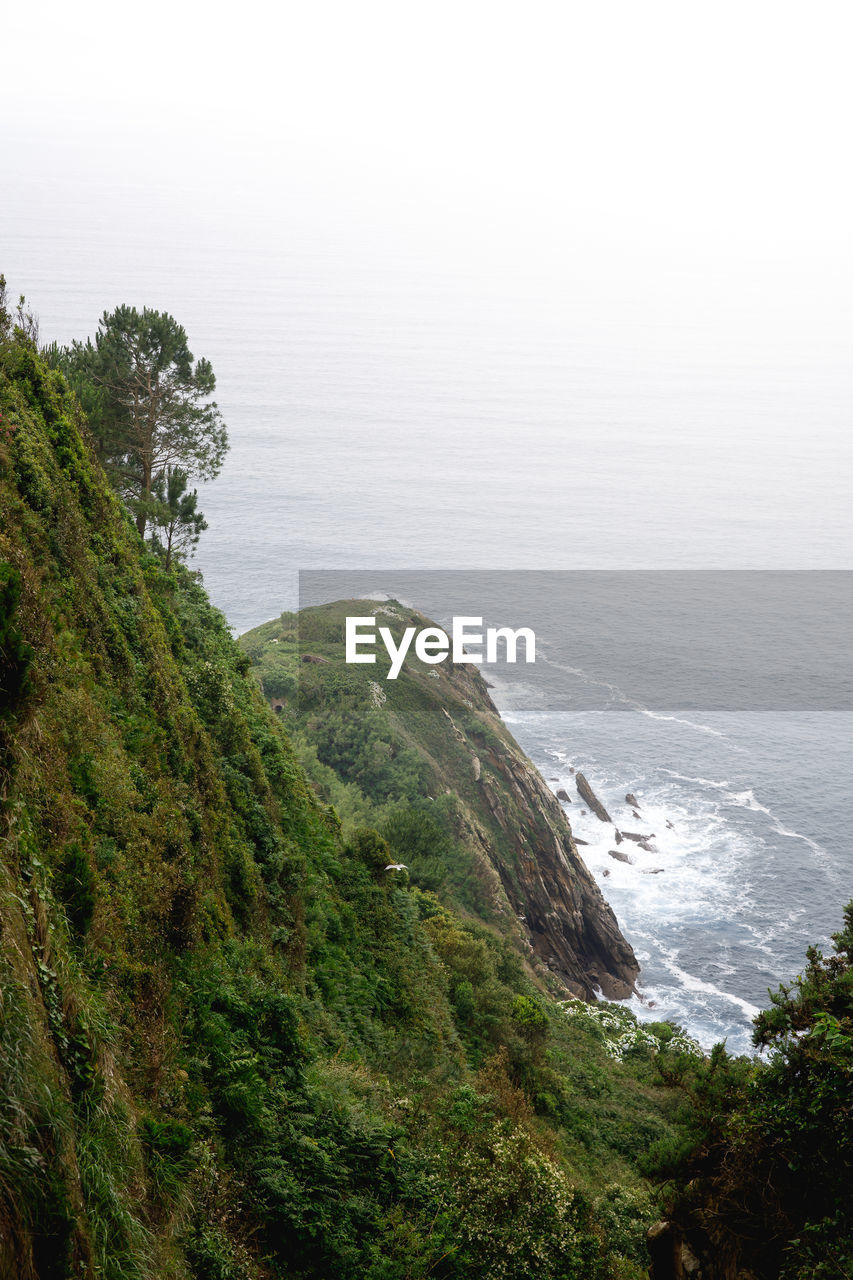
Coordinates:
389 411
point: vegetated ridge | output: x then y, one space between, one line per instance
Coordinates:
433 739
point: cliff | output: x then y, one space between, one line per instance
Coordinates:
232 1045
524 864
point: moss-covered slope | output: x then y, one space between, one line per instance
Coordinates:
231 1045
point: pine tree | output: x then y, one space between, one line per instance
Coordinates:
149 403
173 513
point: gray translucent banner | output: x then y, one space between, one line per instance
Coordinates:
678 642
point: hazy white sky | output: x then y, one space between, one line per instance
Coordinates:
710 130
623 228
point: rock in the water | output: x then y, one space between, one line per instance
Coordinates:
637 836
652 871
670 827
620 856
586 793
634 814
563 795
632 800
578 840
644 844
619 836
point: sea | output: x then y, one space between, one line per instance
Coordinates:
619 452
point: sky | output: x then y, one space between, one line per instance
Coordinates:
710 132
620 231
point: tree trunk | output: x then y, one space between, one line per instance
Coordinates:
141 516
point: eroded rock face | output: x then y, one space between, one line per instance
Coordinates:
677 1254
571 926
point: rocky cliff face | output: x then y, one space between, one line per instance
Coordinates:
530 877
569 925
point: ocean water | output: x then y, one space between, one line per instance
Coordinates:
396 405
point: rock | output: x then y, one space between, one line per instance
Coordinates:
652 871
662 1250
618 836
636 815
571 769
564 796
669 825
571 928
606 871
690 1264
614 988
632 800
671 1256
644 844
586 793
637 836
578 840
620 856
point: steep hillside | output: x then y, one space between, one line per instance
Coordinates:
433 738
231 1045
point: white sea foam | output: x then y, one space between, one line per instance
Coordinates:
699 864
632 704
714 927
690 724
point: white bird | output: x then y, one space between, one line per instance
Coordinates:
396 866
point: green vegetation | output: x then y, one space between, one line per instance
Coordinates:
766 1173
232 1045
149 407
